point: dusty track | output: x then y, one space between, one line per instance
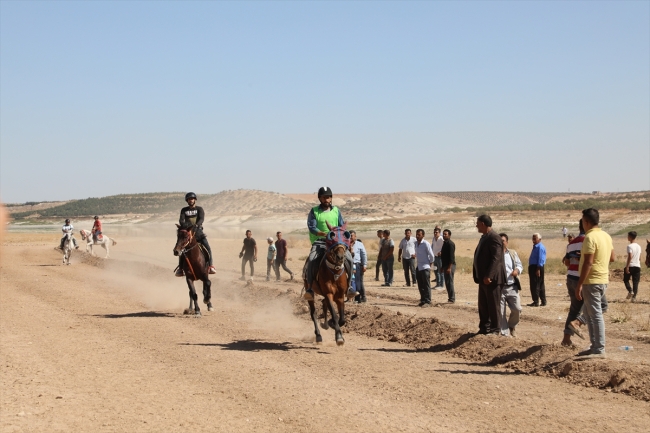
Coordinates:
102 346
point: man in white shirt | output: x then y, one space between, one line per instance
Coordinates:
68 228
436 247
406 255
510 291
632 267
424 256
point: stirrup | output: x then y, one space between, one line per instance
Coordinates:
179 273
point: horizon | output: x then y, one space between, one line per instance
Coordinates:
97 98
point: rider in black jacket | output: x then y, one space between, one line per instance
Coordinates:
194 215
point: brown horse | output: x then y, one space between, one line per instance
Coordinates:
331 282
195 266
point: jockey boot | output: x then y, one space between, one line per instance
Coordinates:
206 245
308 295
179 269
212 270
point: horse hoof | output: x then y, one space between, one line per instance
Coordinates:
187 311
197 314
206 301
331 323
325 326
319 339
340 341
210 308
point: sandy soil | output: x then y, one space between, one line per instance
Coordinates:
102 345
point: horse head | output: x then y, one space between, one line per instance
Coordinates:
83 234
184 237
338 241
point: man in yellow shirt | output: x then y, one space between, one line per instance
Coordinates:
596 254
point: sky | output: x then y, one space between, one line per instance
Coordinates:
102 98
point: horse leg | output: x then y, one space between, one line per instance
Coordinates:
341 306
325 322
193 298
337 330
312 313
207 293
105 245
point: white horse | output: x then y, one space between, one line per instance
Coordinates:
105 241
68 246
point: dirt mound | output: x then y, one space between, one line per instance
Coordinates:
252 202
516 355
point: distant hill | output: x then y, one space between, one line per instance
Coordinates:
260 204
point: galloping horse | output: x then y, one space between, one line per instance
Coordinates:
331 282
105 241
195 267
68 246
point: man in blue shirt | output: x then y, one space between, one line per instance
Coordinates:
536 264
360 259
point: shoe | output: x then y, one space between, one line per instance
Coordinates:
593 356
242 278
543 304
576 329
277 280
584 353
513 333
426 305
212 270
633 299
532 305
385 285
308 295
363 300
449 301
351 293
629 295
179 273
420 304
291 277
376 279
268 279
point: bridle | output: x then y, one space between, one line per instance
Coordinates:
185 250
335 268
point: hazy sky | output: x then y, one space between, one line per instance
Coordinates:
101 98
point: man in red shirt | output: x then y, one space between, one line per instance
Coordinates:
97 229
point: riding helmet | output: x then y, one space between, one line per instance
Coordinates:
190 195
67 220
325 190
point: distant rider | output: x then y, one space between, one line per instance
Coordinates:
67 228
317 221
97 229
194 215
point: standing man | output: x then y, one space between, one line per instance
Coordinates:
270 255
407 253
360 265
510 291
281 256
424 256
564 231
387 259
489 273
448 264
380 235
192 216
536 263
317 220
248 254
436 246
632 267
597 253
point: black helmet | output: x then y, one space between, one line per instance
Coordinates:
324 190
67 220
190 195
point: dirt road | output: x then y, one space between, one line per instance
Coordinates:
103 347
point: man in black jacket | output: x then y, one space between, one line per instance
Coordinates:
490 275
448 259
193 215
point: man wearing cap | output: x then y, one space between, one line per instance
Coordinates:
193 215
317 221
68 228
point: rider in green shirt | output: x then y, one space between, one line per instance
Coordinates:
317 221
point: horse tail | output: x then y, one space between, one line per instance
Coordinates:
114 241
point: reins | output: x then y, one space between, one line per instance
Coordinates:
184 252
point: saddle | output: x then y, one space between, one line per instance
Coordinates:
99 238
